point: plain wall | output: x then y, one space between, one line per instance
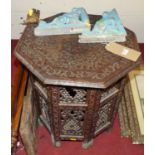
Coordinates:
131 12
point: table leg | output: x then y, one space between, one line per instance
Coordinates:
88 144
93 100
54 112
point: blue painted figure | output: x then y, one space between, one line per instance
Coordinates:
69 23
108 29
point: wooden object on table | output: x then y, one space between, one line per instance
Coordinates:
28 125
32 17
78 87
17 95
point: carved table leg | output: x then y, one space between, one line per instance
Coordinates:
54 112
93 100
88 144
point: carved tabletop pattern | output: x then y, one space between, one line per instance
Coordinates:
61 60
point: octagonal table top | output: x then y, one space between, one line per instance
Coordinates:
61 60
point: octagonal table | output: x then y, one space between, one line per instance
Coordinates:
77 87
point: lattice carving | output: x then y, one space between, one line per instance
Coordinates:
41 88
73 112
44 108
41 92
72 122
105 113
107 93
72 95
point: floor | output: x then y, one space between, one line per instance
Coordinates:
107 143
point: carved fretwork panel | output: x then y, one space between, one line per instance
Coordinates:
71 121
108 93
74 113
106 108
72 96
41 92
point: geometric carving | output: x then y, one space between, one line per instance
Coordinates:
61 60
71 125
72 122
41 92
107 102
44 109
69 95
41 88
107 93
74 112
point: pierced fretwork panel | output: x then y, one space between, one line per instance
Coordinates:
74 96
106 109
106 94
72 121
41 92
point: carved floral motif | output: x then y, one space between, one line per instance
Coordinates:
61 58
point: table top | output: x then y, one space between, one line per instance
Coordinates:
61 60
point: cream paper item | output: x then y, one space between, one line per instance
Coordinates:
123 51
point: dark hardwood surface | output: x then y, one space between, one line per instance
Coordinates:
61 60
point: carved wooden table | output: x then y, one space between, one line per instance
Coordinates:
77 87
